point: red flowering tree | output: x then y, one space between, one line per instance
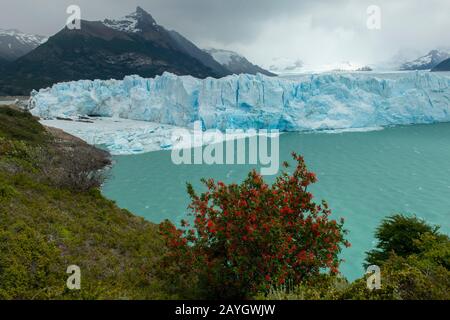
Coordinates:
248 237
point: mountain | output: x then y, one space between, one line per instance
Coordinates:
191 49
426 62
14 44
236 63
394 63
135 44
3 62
443 66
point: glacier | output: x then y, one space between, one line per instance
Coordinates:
313 102
119 136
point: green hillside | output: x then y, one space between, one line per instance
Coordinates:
52 215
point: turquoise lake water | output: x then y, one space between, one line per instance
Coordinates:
364 176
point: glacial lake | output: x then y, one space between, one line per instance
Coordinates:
364 176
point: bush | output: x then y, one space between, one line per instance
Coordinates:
323 287
398 234
13 148
78 171
414 259
249 237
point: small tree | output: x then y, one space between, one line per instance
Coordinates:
399 234
251 236
414 258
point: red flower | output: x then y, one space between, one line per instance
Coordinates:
301 255
243 203
286 210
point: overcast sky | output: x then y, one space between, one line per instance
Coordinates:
316 31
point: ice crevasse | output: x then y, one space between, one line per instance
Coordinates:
325 101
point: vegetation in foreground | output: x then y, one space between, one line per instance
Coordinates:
251 240
251 236
414 260
273 242
52 215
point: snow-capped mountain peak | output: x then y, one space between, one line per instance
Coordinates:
235 62
14 43
428 61
24 38
134 22
224 57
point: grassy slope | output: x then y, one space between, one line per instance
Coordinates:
45 228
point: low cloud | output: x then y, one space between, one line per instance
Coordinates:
316 32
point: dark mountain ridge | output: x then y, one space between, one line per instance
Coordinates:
113 49
443 66
104 50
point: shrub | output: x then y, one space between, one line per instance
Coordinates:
251 236
14 148
322 287
76 171
28 262
6 191
414 259
408 278
398 234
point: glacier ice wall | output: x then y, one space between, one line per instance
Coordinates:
326 101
